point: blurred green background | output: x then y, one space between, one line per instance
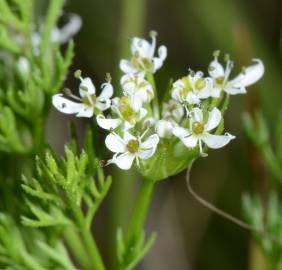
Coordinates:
189 236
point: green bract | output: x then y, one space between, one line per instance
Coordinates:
170 158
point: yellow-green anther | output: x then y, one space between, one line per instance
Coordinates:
77 74
67 92
108 77
153 33
216 53
226 57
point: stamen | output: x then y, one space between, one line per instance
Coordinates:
153 33
191 72
216 54
77 74
137 162
102 163
144 133
108 77
226 57
67 92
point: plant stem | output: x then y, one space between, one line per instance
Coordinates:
89 242
140 210
156 110
76 247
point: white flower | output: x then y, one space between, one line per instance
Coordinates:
192 88
137 89
58 35
126 115
164 128
87 102
23 66
143 59
130 148
172 111
64 34
238 85
199 131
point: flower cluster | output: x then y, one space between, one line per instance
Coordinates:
139 121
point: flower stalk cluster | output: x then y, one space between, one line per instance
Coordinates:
138 122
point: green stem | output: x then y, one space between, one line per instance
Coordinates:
156 110
76 247
140 210
89 242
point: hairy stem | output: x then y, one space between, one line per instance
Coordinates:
89 242
76 247
140 210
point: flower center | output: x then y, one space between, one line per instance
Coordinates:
126 111
200 84
146 63
197 128
186 86
219 80
132 146
141 63
89 100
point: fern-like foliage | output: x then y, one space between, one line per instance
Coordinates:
32 69
62 187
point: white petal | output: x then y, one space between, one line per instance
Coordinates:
86 111
127 137
217 141
23 66
142 113
115 143
147 153
190 141
197 115
103 104
164 128
86 83
235 90
175 94
180 132
142 46
68 30
157 63
135 102
127 126
192 98
216 69
151 142
214 119
215 92
207 90
162 51
107 123
64 105
107 91
124 161
127 67
251 74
